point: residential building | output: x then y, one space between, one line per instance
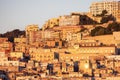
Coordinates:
66 30
42 55
18 55
107 50
116 36
69 20
112 7
20 47
6 46
3 40
104 39
20 40
51 23
29 29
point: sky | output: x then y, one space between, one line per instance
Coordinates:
17 14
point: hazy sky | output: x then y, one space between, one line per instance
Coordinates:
16 14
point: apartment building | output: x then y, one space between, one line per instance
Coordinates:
104 39
69 20
116 36
67 31
16 55
43 55
29 29
112 7
6 46
20 40
20 47
51 23
3 40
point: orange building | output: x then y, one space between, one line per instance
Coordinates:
3 40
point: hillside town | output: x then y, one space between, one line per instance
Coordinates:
79 46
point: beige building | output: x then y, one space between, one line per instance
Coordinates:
112 7
34 77
106 50
29 29
75 56
9 63
89 42
78 53
73 36
16 55
43 55
105 39
20 40
69 20
85 66
66 30
116 36
51 23
113 78
53 43
51 34
20 47
40 37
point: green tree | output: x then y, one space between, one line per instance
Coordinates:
99 30
113 27
104 12
85 20
12 34
107 18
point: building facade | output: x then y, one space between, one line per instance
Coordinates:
69 20
29 29
112 7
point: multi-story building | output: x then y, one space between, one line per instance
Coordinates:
112 7
51 23
85 66
29 29
43 55
116 36
20 44
3 40
19 40
9 66
73 36
51 34
16 55
20 47
40 37
96 50
69 20
6 46
89 42
33 77
104 39
78 53
65 30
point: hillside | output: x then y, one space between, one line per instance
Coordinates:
12 34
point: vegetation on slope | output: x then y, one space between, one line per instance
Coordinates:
99 30
13 34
